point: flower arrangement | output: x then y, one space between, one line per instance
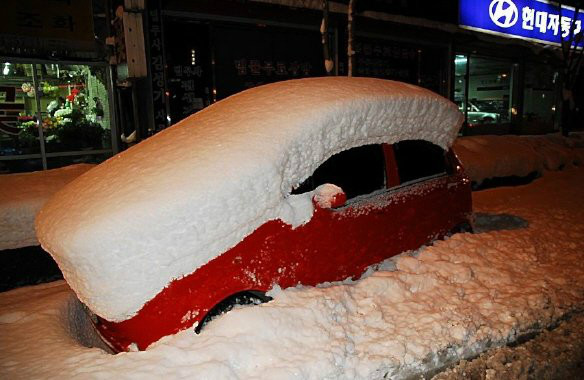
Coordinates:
28 89
50 90
71 97
68 124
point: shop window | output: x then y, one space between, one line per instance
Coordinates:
418 159
68 105
357 171
540 96
18 120
483 90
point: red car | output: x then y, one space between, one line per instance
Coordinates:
358 170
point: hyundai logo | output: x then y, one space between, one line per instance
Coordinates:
503 13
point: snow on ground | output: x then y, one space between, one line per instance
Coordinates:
448 301
22 195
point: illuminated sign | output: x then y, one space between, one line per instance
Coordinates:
534 20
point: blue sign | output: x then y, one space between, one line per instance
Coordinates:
535 20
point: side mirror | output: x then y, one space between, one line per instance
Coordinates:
329 196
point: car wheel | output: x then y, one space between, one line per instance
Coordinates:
243 298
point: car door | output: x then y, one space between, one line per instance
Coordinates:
339 241
427 189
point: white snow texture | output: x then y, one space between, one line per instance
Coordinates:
22 195
493 156
163 208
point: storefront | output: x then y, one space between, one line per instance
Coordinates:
508 64
502 83
233 46
53 114
55 89
506 95
225 53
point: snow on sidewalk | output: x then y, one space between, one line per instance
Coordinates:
22 195
451 300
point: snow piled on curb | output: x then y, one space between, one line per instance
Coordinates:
21 197
492 156
448 301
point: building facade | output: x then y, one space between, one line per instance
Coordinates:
208 50
81 94
56 99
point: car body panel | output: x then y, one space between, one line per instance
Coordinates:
334 245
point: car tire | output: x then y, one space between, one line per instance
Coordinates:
243 298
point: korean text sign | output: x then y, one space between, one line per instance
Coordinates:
533 20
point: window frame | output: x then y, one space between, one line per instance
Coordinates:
447 167
382 149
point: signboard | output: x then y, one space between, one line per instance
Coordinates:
533 20
46 25
264 54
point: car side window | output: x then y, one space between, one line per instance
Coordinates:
417 159
357 171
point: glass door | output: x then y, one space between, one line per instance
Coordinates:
484 91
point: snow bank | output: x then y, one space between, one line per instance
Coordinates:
489 156
22 195
163 208
451 301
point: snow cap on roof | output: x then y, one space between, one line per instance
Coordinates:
165 207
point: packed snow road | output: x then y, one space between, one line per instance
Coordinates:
415 315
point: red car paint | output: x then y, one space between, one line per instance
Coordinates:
334 245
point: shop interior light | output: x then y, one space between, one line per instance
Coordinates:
6 69
460 60
193 57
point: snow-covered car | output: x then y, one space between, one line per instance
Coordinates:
295 182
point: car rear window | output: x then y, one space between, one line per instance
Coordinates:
357 171
417 159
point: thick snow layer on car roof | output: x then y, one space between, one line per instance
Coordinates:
160 210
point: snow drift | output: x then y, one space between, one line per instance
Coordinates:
488 156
